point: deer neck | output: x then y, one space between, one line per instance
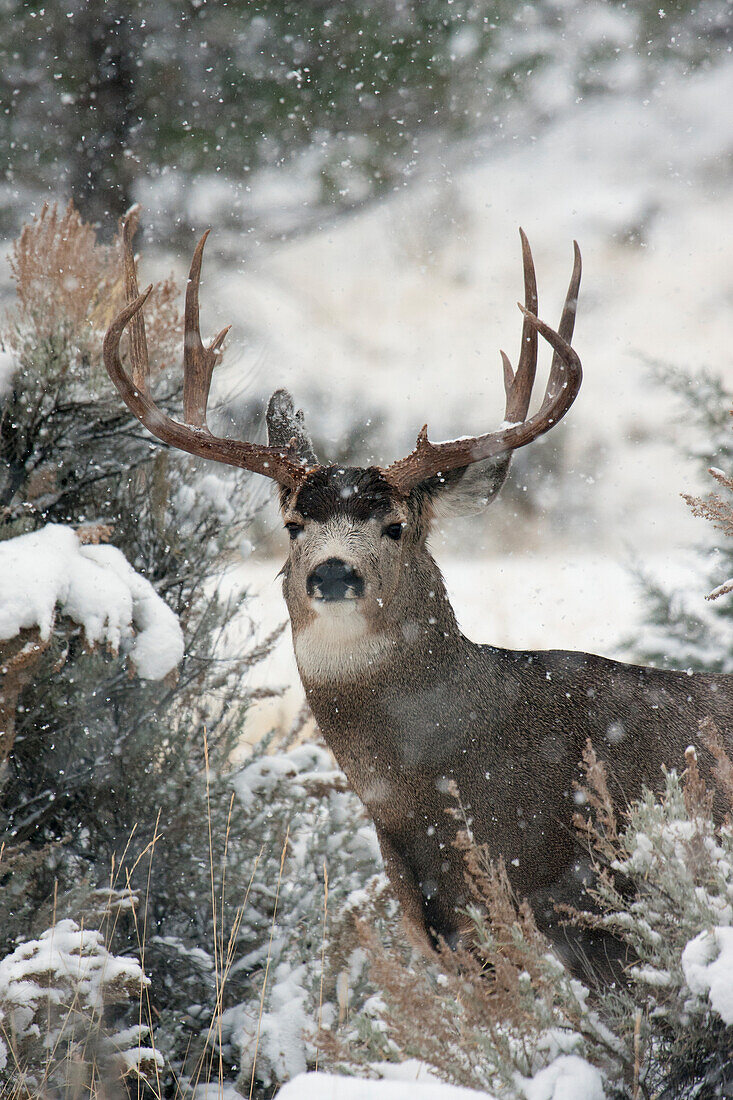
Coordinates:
343 648
386 702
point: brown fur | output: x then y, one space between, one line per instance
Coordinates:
508 728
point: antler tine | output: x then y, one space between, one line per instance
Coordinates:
138 340
508 380
193 436
566 326
563 385
136 396
566 374
198 361
519 393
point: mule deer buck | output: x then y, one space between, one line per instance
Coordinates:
405 701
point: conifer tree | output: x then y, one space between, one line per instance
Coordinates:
681 631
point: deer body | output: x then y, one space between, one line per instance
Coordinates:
412 710
410 705
509 730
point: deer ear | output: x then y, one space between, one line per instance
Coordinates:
285 426
468 490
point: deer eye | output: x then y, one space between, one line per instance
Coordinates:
294 529
393 531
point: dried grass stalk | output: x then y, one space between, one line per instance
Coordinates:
70 286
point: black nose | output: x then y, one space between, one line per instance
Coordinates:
334 580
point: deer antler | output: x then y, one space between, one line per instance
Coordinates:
198 365
429 459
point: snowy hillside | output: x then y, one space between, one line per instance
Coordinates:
404 307
408 303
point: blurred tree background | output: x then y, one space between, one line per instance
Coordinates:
100 93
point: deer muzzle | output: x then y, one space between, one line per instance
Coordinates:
333 579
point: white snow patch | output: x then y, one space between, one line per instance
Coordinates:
707 963
327 1086
410 1070
67 968
8 367
209 492
567 1078
216 1090
652 975
49 572
277 1035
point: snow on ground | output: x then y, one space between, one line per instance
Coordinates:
49 572
326 1086
567 1078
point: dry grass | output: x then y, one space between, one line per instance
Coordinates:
70 286
78 1065
719 512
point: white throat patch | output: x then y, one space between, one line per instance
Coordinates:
336 644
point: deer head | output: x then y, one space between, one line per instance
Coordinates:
358 578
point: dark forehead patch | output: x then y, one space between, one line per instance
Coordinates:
347 491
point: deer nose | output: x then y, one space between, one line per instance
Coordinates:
333 579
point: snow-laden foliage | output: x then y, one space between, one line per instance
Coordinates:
313 850
53 993
508 1018
707 963
49 572
109 781
665 888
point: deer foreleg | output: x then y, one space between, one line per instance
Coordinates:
409 896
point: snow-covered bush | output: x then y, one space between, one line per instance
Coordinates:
50 571
665 888
312 851
53 995
507 1017
114 767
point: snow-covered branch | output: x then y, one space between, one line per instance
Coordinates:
49 572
